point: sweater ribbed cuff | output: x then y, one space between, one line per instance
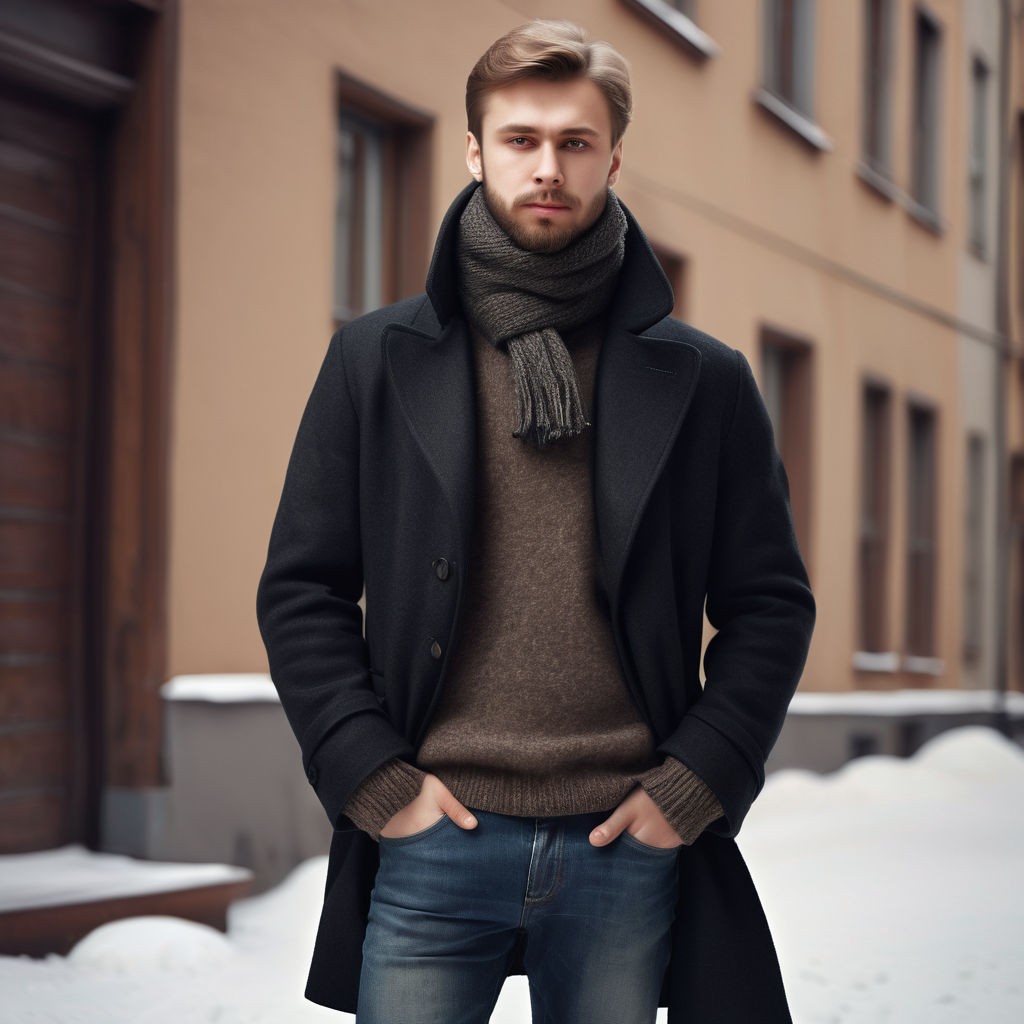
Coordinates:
688 804
382 794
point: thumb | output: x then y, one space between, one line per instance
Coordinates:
455 810
610 828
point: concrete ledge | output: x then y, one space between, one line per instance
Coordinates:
823 731
52 899
237 791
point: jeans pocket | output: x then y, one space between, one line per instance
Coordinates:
415 837
664 852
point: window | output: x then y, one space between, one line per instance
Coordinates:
363 242
789 52
674 267
1020 211
786 387
863 744
878 51
873 563
677 19
974 548
925 129
920 590
382 172
1016 496
977 171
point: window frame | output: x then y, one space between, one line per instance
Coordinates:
920 601
404 134
794 107
875 521
977 157
877 83
677 25
787 385
976 478
926 109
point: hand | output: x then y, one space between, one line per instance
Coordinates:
433 802
641 817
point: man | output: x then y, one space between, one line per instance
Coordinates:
540 479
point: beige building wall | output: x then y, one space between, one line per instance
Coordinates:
774 233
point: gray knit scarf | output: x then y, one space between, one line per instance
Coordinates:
519 300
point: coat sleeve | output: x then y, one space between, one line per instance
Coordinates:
308 600
759 601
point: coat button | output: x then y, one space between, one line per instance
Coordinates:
435 650
442 568
313 775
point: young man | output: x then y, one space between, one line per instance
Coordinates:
540 479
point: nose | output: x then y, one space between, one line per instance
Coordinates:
548 170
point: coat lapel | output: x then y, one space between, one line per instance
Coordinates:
643 389
433 377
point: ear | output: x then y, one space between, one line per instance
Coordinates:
474 158
613 170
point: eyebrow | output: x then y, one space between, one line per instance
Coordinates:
526 129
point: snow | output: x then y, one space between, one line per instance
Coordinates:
72 874
893 889
231 688
148 944
905 702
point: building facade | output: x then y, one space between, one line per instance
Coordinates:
197 192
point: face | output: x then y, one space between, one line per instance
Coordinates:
546 159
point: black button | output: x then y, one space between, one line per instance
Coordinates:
313 775
435 650
442 568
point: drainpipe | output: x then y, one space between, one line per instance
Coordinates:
1003 368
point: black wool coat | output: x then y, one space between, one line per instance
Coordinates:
691 505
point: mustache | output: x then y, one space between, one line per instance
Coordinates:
547 196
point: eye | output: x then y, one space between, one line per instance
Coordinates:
575 144
519 140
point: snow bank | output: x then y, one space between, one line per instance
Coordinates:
893 888
153 944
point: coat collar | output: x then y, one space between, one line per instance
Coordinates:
643 388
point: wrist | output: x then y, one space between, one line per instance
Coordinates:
385 792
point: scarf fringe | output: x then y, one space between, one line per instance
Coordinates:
547 392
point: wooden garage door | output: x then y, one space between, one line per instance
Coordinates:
47 254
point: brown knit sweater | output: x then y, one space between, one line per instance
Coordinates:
535 718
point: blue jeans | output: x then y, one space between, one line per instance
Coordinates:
449 908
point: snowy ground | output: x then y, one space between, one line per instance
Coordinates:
893 888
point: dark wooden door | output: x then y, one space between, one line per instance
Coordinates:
48 488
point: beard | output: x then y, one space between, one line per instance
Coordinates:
541 235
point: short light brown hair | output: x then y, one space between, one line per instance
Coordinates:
555 50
